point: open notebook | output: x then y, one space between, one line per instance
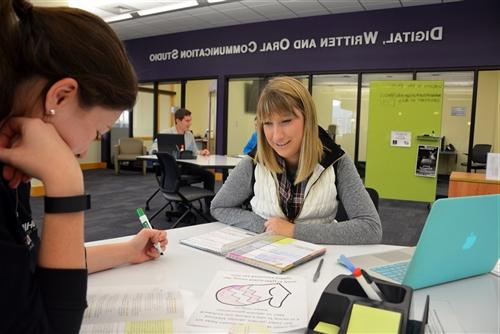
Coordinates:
274 253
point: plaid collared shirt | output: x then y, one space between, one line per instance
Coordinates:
291 197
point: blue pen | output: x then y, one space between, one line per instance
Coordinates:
146 224
343 260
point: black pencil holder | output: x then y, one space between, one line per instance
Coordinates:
336 301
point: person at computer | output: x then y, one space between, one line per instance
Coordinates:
58 92
297 177
183 120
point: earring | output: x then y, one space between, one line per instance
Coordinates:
51 112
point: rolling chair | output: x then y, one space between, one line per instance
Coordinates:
171 188
186 179
479 155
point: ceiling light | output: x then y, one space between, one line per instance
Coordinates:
215 1
168 8
118 18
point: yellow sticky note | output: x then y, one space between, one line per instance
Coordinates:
326 328
284 241
149 326
367 319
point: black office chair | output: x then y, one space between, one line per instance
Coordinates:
173 191
478 158
186 179
342 214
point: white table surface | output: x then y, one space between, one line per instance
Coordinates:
474 300
208 161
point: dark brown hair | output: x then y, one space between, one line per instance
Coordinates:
181 113
58 42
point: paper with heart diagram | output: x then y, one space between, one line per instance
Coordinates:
277 301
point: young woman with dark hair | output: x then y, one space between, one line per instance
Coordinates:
64 80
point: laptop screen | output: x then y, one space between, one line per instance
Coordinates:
170 142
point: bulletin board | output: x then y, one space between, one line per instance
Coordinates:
413 109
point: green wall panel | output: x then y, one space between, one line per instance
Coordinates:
411 106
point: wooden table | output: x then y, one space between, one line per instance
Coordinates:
470 184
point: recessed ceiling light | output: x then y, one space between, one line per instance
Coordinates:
168 8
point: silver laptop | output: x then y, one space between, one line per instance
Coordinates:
460 239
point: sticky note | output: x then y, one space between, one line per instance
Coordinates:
149 326
367 319
326 328
285 241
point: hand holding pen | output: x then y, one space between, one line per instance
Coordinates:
147 225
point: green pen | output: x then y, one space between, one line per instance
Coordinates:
146 224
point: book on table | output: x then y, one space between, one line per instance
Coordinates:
133 309
271 252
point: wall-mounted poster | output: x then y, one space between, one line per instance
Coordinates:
427 158
401 138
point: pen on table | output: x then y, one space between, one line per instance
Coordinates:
146 224
318 271
367 288
370 281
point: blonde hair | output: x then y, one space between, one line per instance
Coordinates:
282 95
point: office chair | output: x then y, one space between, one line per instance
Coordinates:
186 179
173 191
478 158
342 214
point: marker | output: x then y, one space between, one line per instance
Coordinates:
146 224
370 281
365 286
318 271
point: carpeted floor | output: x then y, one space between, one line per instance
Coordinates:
115 198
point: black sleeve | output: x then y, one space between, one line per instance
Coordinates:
47 301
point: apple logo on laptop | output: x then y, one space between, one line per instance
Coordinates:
469 241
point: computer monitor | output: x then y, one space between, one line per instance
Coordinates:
170 143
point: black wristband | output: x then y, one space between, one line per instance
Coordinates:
67 204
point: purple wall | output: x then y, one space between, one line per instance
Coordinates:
470 39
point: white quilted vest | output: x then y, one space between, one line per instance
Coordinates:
320 204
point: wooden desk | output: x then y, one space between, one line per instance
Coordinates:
470 184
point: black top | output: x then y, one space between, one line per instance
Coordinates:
33 299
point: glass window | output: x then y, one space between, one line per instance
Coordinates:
455 117
201 97
169 98
335 97
243 95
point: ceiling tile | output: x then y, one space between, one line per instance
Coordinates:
230 13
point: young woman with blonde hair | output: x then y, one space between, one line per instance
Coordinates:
297 177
